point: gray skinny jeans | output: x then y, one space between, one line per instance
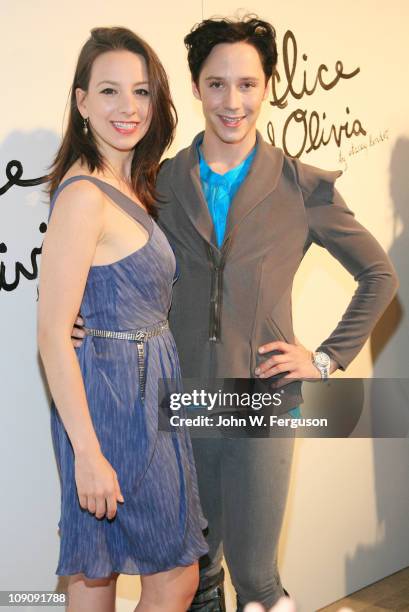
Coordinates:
243 484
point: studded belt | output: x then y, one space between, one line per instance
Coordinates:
140 336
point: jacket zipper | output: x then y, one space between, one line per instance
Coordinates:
216 292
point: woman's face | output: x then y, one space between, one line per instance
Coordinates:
117 102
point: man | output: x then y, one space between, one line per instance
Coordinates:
240 217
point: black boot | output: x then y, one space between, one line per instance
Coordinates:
210 595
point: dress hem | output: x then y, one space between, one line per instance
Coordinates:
155 570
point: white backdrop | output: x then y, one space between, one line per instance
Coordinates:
346 520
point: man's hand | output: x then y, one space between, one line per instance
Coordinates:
78 332
294 359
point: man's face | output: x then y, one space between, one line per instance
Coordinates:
232 86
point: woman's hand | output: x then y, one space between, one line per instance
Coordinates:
294 359
97 485
78 333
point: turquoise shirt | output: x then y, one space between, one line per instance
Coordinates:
219 191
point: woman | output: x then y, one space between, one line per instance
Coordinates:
129 493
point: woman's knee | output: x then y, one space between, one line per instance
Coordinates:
182 598
170 591
91 594
92 582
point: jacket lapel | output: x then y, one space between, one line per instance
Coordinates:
261 180
187 188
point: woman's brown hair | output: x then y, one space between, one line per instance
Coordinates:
148 151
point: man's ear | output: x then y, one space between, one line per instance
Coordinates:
80 96
196 91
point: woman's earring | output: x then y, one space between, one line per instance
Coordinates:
85 126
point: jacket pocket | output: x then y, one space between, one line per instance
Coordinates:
276 331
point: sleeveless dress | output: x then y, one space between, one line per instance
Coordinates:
159 526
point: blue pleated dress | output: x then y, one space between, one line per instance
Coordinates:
159 526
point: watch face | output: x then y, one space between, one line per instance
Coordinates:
321 359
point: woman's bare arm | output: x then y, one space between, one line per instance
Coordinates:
75 227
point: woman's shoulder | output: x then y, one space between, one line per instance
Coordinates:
78 179
83 195
80 176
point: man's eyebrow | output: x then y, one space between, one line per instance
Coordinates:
244 78
115 83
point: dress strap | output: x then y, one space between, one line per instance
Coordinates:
124 202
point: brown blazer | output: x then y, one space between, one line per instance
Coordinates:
228 302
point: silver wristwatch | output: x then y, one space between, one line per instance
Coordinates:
322 362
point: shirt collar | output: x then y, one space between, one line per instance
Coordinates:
209 175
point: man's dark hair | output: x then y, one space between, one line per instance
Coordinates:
211 32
